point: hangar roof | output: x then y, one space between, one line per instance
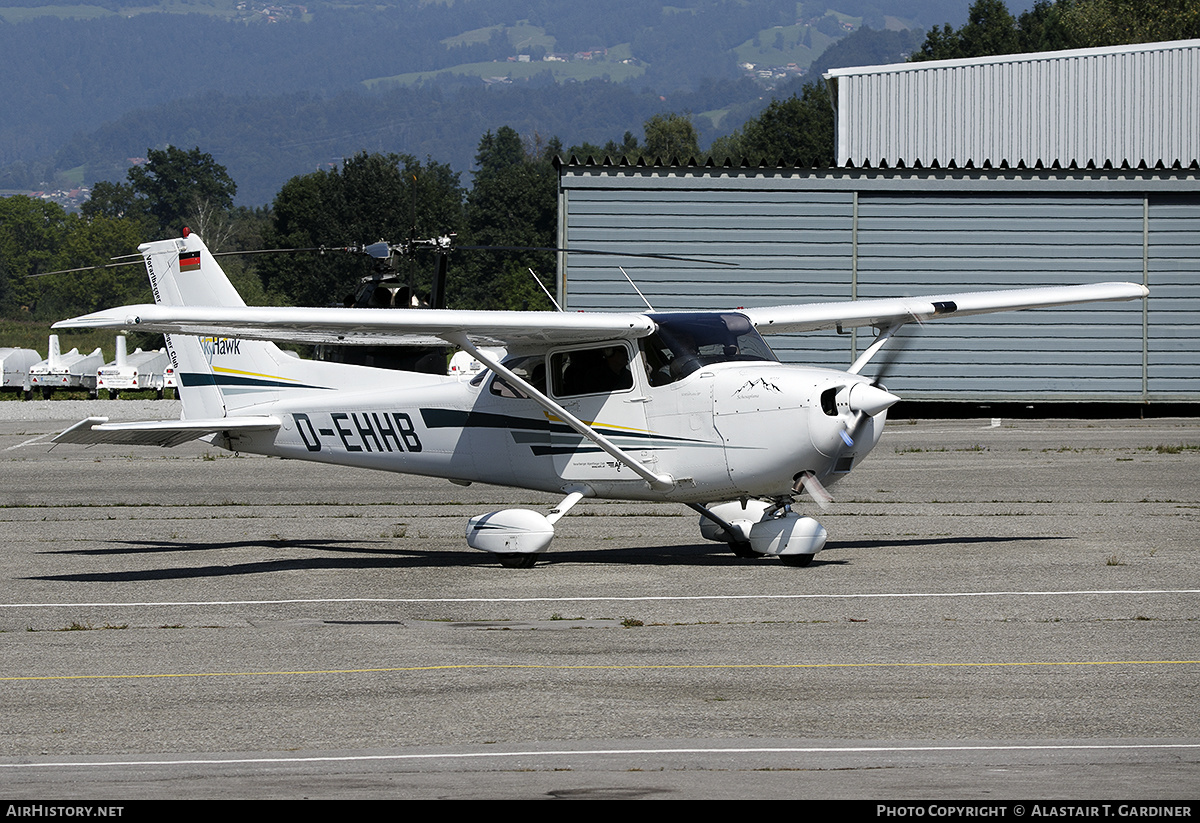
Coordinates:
1131 106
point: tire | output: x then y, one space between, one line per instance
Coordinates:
517 560
743 550
798 560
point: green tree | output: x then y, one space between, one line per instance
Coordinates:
182 186
372 197
670 137
1062 24
1094 23
990 29
513 203
499 151
31 241
38 237
246 232
628 147
727 148
94 242
1041 28
797 131
113 200
172 189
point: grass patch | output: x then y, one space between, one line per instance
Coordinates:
1172 449
76 626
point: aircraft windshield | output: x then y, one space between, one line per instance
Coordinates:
686 341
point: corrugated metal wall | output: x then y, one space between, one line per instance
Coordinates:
1129 105
808 237
788 249
1173 310
915 243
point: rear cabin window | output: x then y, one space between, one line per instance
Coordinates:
591 371
531 369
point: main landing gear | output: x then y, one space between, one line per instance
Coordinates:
756 528
752 528
518 536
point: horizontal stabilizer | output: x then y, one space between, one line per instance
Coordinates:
165 433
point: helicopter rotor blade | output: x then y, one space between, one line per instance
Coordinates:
606 253
382 250
86 268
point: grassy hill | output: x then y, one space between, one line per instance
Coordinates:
282 89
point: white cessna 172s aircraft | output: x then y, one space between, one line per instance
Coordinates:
689 407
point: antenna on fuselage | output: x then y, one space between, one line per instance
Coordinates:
538 280
636 289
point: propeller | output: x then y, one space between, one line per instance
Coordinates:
891 355
866 400
820 495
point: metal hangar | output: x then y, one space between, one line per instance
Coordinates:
983 215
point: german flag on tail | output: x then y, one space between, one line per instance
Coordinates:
189 261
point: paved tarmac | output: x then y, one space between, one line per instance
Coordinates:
1001 612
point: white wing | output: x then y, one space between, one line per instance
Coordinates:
422 327
397 327
888 312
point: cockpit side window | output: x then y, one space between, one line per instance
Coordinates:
684 342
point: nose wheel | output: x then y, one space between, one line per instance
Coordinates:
743 549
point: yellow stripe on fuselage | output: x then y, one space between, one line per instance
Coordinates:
595 425
241 373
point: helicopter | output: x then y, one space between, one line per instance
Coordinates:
387 287
686 407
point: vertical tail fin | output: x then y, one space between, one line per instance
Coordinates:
216 374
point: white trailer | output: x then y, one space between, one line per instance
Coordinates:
133 372
14 369
71 371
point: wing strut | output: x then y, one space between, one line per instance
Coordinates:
658 482
874 348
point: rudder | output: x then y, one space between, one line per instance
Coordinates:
216 374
